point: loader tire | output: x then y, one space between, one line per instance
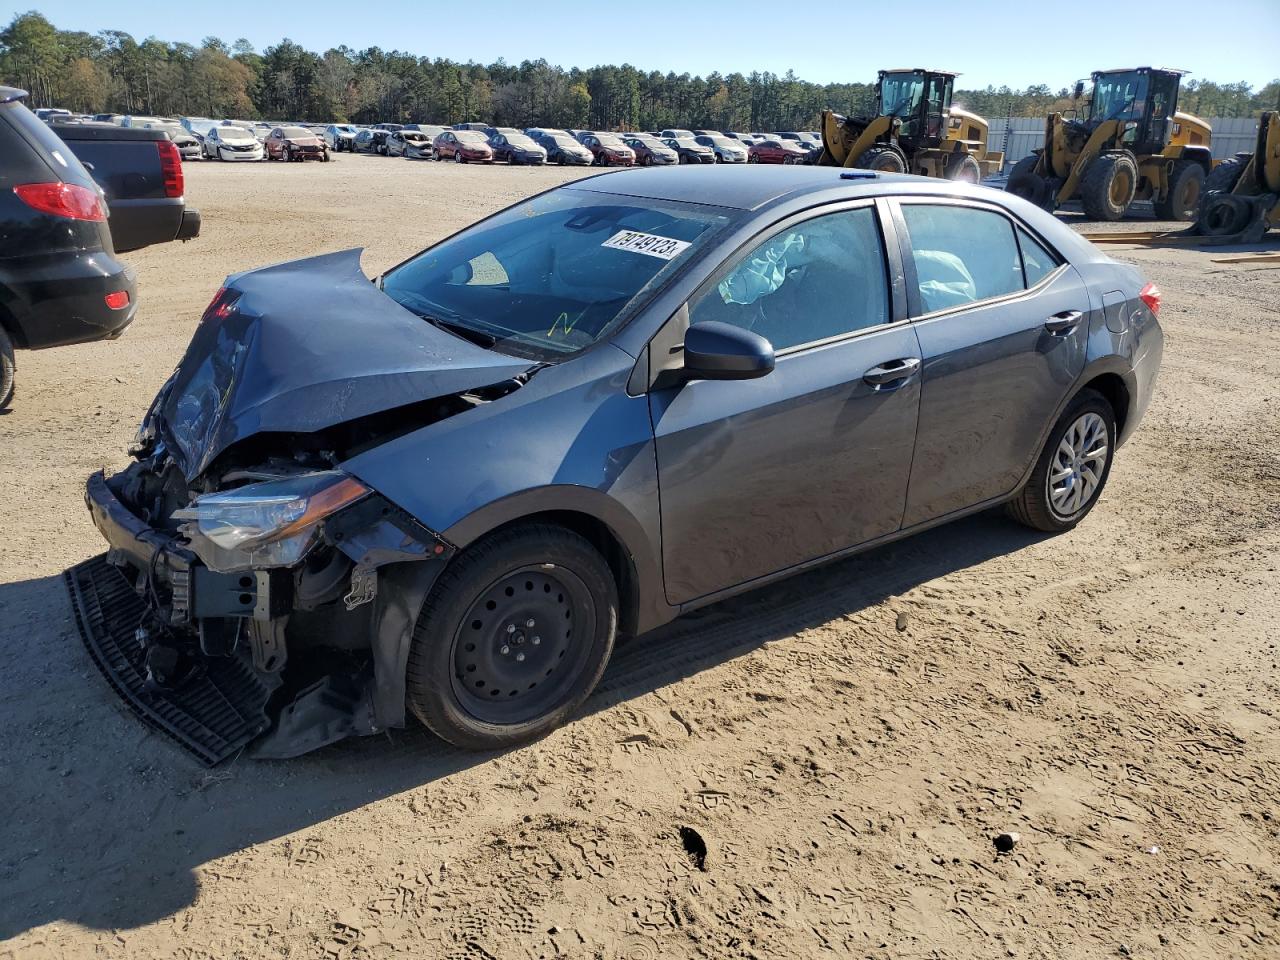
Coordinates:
1224 215
1182 201
1224 177
1024 182
964 169
882 159
1108 185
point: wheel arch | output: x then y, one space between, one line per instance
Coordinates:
9 324
1201 155
621 538
1112 386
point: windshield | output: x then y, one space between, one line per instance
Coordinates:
470 136
520 140
608 140
550 276
414 137
900 93
296 132
649 142
565 142
1118 96
233 133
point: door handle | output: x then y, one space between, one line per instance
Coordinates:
892 371
1063 322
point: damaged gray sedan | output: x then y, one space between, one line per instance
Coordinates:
446 491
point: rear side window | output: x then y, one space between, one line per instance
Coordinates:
1037 262
812 281
33 153
961 254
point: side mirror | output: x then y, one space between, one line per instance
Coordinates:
1079 91
721 351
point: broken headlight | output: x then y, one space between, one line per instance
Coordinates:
271 524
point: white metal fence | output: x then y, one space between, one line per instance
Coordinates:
1231 135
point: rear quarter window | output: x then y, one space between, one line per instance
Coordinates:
33 153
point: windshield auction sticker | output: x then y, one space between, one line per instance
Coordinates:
664 248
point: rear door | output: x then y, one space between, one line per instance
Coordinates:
757 476
1002 321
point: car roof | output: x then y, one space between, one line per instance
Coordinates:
742 189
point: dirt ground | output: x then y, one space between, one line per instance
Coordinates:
845 744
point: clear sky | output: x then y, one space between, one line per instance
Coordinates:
1014 42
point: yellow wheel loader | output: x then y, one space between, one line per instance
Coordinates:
915 130
1132 144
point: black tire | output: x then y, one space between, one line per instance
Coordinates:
1224 215
7 368
884 159
1220 213
1108 185
1186 186
286 155
1224 177
1033 505
472 692
1024 182
964 169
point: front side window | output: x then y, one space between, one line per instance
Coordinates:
550 276
818 279
961 254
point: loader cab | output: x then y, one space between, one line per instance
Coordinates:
1142 99
921 99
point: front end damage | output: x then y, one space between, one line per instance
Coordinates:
283 657
254 594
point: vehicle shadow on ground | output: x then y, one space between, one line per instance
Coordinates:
112 821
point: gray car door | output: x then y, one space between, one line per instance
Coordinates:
1003 323
757 476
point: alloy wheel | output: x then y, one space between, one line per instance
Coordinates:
1078 465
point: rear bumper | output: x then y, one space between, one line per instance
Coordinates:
60 300
189 228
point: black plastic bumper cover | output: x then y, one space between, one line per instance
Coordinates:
213 714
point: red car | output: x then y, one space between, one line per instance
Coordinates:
295 143
463 146
776 150
608 149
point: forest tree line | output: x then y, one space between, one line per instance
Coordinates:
110 71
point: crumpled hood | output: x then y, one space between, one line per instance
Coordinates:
310 344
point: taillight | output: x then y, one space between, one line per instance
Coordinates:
62 200
1150 295
170 167
118 300
222 305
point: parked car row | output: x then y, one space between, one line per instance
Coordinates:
471 142
478 143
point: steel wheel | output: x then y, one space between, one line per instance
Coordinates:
1078 465
516 653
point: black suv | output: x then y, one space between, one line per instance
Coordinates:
60 282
